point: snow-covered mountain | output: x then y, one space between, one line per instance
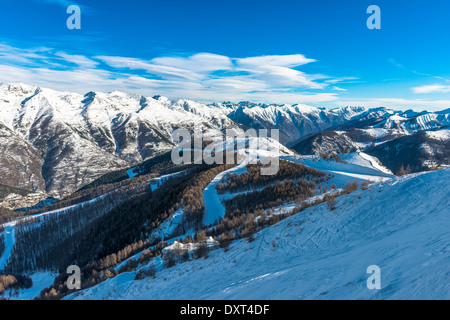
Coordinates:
56 142
293 121
420 140
411 122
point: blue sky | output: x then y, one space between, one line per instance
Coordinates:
314 52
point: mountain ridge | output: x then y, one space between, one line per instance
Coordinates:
57 142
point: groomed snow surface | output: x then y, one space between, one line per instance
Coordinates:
356 166
401 225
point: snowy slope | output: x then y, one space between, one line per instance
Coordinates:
256 149
358 165
402 226
214 208
8 233
41 279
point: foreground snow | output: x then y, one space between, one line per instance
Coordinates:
401 225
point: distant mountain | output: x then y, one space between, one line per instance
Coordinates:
420 151
420 140
293 121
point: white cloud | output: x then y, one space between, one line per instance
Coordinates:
278 70
435 88
292 60
338 88
79 60
200 62
138 64
283 77
341 79
9 54
399 65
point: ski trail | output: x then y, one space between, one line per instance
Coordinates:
9 232
211 199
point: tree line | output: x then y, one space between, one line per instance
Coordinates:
252 179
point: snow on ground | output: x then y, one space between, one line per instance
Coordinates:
214 208
402 226
156 182
41 280
443 134
358 166
9 244
168 226
365 160
131 174
377 132
189 246
10 227
255 149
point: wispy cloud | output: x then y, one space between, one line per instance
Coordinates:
79 60
150 68
201 76
200 62
342 80
434 88
338 88
399 65
289 61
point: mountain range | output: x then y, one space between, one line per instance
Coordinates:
57 142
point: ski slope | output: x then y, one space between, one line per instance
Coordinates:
356 166
256 148
401 225
214 208
9 231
